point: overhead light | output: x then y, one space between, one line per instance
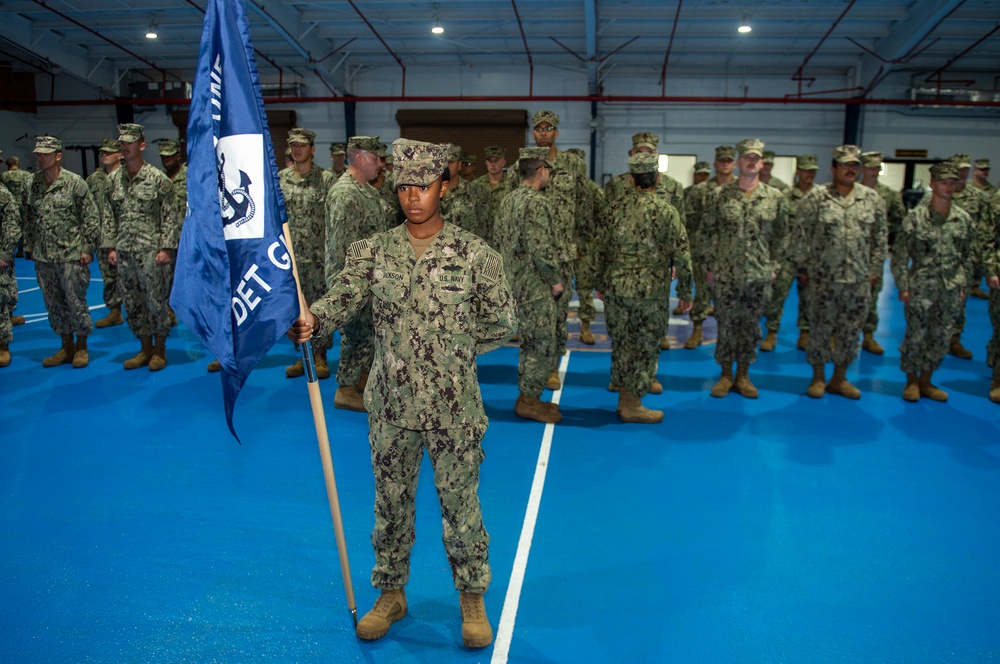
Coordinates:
744 26
438 29
151 33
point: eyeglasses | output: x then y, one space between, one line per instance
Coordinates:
545 129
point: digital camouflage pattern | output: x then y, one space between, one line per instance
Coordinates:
695 197
100 186
991 268
524 240
61 219
18 182
466 206
590 216
931 259
64 291
10 235
895 212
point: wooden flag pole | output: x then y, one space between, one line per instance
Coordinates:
319 419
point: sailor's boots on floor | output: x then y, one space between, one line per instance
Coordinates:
695 339
869 344
476 630
114 317
839 385
295 370
533 408
322 367
742 383
17 320
141 359
159 359
630 409
81 357
817 386
64 355
725 382
912 390
957 349
803 341
994 385
4 355
348 398
214 366
389 607
553 382
770 341
929 390
586 336
656 387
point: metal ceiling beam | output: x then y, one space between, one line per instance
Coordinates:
590 30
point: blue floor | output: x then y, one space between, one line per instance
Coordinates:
133 528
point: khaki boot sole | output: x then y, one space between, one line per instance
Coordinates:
844 389
59 358
817 389
722 388
376 623
347 401
157 363
911 393
640 415
746 389
137 362
81 358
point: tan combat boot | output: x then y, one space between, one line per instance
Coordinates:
725 383
533 408
296 370
958 350
817 386
4 355
742 383
912 390
322 368
348 398
141 359
214 366
931 391
159 359
838 384
17 320
656 387
869 344
553 382
665 343
585 334
476 631
678 311
695 339
389 607
994 385
770 341
630 409
803 341
114 317
64 355
81 357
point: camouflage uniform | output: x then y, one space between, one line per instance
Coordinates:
990 255
778 184
61 223
840 245
432 316
17 183
10 235
353 212
586 266
337 148
494 194
744 253
305 201
100 187
391 210
931 258
145 219
895 212
466 206
644 236
524 239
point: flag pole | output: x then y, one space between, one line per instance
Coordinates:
319 420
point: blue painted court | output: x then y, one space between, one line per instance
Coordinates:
133 528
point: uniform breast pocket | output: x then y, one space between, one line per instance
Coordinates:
145 193
731 211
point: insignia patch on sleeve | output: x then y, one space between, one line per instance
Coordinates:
492 270
361 249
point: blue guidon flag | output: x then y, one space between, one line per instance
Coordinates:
233 286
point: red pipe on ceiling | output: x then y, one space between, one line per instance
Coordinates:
670 45
797 76
531 64
937 74
375 32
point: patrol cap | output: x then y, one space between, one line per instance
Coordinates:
110 145
468 157
961 160
387 159
453 151
645 139
338 148
847 154
944 170
366 143
541 154
872 159
702 167
807 162
544 116
495 152
382 150
129 132
750 146
301 136
169 148
983 164
643 162
768 157
724 152
47 145
417 163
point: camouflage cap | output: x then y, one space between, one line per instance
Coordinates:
453 151
768 157
872 159
944 170
982 164
169 148
338 148
961 160
724 152
110 145
702 167
366 143
417 163
541 154
495 152
643 162
645 139
847 154
576 152
750 146
807 162
468 157
387 159
544 116
47 145
130 132
301 136
382 151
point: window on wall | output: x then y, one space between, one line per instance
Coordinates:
472 129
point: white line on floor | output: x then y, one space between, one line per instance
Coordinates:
505 631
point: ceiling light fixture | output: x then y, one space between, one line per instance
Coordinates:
151 33
744 26
438 29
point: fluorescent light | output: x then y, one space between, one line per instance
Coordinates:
744 26
151 33
437 29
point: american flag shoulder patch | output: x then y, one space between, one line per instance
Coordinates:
493 268
361 249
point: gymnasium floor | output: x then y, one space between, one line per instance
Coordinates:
133 528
